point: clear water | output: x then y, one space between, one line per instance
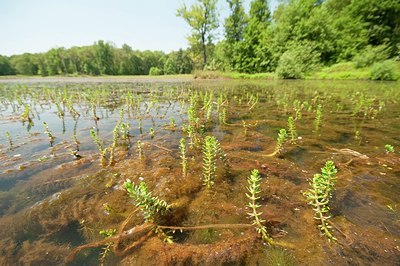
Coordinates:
52 202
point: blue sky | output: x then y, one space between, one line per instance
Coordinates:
39 25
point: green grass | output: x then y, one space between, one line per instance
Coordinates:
207 74
346 70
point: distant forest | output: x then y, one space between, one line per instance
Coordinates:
299 37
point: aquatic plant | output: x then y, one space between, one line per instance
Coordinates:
222 116
292 130
102 151
10 143
182 149
107 233
318 118
245 128
253 100
297 106
111 160
140 125
357 136
139 149
254 189
149 205
76 155
389 148
95 117
172 121
208 106
151 132
25 114
318 196
282 135
210 151
124 130
60 112
49 134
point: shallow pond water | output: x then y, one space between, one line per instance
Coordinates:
55 196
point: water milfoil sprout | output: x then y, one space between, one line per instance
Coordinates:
292 130
318 196
102 151
139 149
318 118
107 233
10 143
149 205
48 133
151 132
389 148
254 189
210 152
182 149
282 136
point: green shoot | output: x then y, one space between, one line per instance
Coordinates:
210 151
149 206
10 143
222 116
318 196
245 128
282 135
172 122
114 145
107 248
292 130
151 132
49 134
318 118
139 149
389 148
182 148
254 189
102 152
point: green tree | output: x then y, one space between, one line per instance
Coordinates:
5 66
24 64
170 67
202 17
235 25
254 55
381 19
104 57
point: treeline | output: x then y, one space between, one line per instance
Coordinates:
299 37
98 59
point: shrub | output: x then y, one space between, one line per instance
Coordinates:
155 71
297 61
371 55
385 70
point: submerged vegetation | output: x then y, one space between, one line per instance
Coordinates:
254 189
162 171
318 196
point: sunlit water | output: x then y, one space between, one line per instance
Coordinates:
52 202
